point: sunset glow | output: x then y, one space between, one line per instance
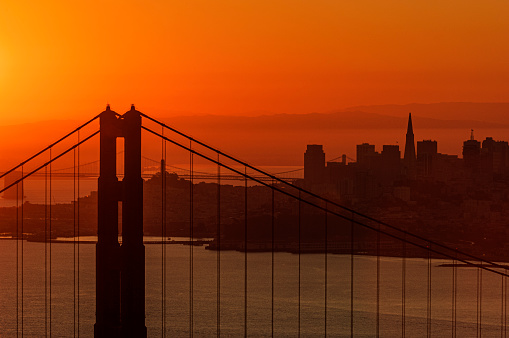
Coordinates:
230 57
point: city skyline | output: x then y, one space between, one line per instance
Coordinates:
254 168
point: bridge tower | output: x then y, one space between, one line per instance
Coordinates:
120 270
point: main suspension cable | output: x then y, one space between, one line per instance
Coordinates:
245 252
284 192
22 253
272 218
78 227
437 244
191 237
74 241
48 162
218 252
46 251
17 260
352 252
49 147
326 268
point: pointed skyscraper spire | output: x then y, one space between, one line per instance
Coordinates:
410 143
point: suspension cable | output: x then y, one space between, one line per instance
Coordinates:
352 252
165 237
477 304
162 237
502 308
453 304
78 226
191 237
22 254
245 252
505 305
272 217
425 247
308 192
218 253
17 260
326 268
480 302
74 241
428 307
50 237
46 251
403 289
50 146
48 162
378 282
300 235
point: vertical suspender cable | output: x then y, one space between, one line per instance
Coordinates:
326 244
22 252
164 239
502 309
163 174
480 301
505 305
46 251
74 241
428 314
17 259
300 230
403 288
218 257
352 252
191 238
477 304
272 262
78 228
455 295
453 307
378 282
245 252
162 236
50 244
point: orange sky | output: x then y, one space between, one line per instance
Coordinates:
68 58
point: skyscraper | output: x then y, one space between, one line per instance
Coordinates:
314 164
410 144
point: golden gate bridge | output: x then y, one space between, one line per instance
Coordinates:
120 268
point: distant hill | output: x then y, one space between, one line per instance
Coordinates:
325 121
489 112
281 139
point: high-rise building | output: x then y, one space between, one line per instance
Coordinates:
494 156
426 147
391 154
314 164
427 151
365 152
410 143
472 153
390 167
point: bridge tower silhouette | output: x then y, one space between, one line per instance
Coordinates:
364 275
120 269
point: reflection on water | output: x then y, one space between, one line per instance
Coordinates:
259 294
